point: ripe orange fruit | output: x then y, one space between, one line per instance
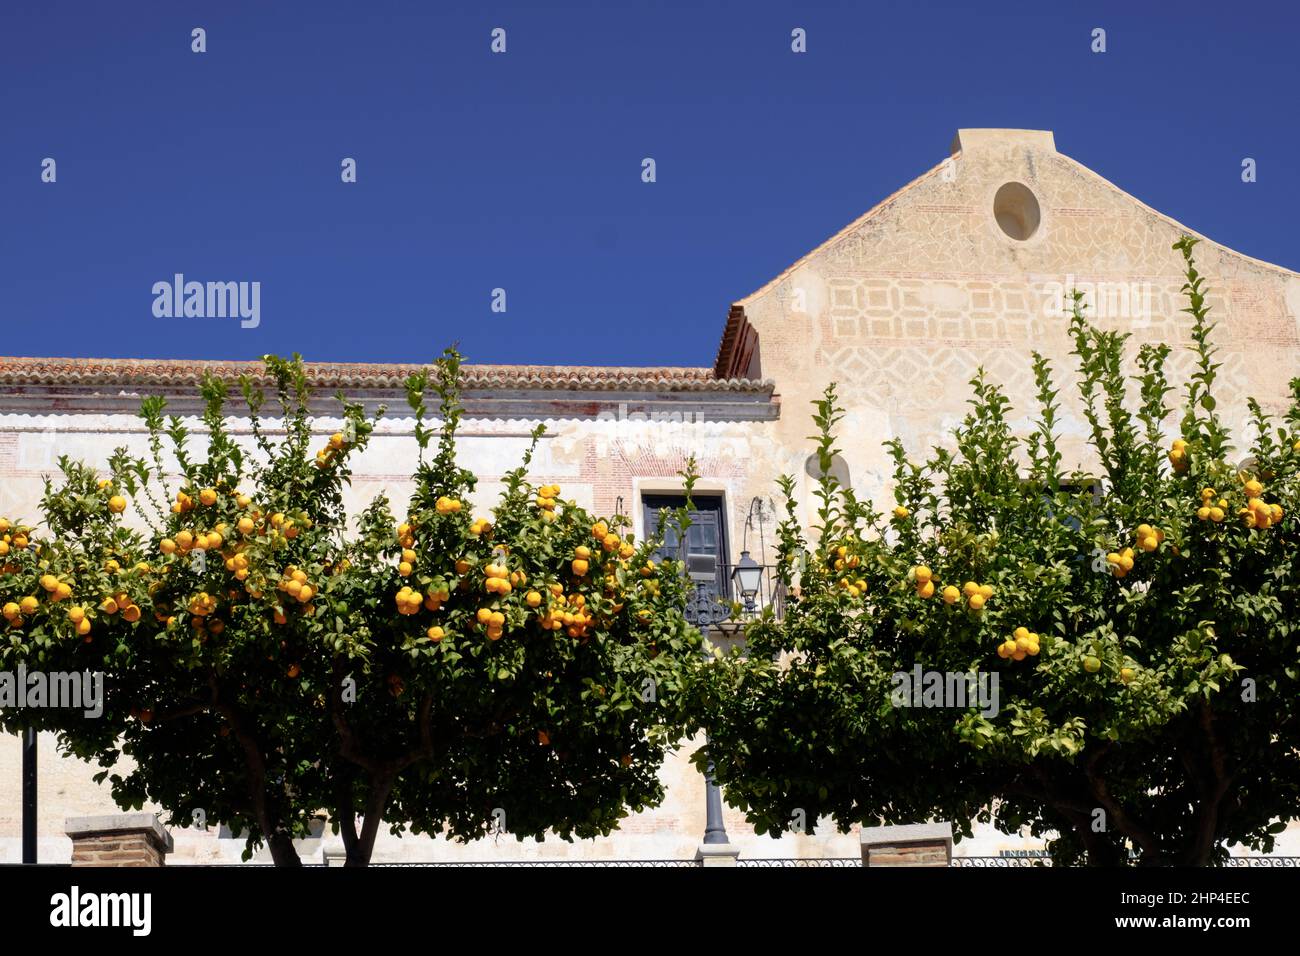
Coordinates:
533 599
294 670
28 606
900 512
435 633
923 574
925 590
117 504
131 613
950 595
208 497
970 588
976 602
579 566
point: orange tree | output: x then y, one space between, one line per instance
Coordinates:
264 664
531 662
1141 629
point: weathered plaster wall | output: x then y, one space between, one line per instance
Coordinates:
904 305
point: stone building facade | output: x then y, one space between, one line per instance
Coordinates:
963 268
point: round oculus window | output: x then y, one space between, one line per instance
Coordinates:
1016 210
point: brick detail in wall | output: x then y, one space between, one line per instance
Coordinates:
915 854
917 844
135 839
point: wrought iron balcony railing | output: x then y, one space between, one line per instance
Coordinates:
718 588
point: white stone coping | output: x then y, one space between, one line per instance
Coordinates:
905 834
110 824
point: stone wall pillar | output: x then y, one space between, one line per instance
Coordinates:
717 854
118 839
915 844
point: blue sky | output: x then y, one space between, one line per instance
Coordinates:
523 170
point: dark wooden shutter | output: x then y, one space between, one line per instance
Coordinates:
705 553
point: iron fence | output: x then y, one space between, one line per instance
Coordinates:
828 861
615 864
1269 861
1019 861
1000 862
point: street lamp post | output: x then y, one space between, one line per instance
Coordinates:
29 795
714 830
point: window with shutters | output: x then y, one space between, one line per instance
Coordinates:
705 551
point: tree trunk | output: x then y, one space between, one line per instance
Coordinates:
359 850
282 850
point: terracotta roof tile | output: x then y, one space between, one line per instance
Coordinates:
183 373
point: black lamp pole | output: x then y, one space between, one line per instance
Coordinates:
29 795
714 831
